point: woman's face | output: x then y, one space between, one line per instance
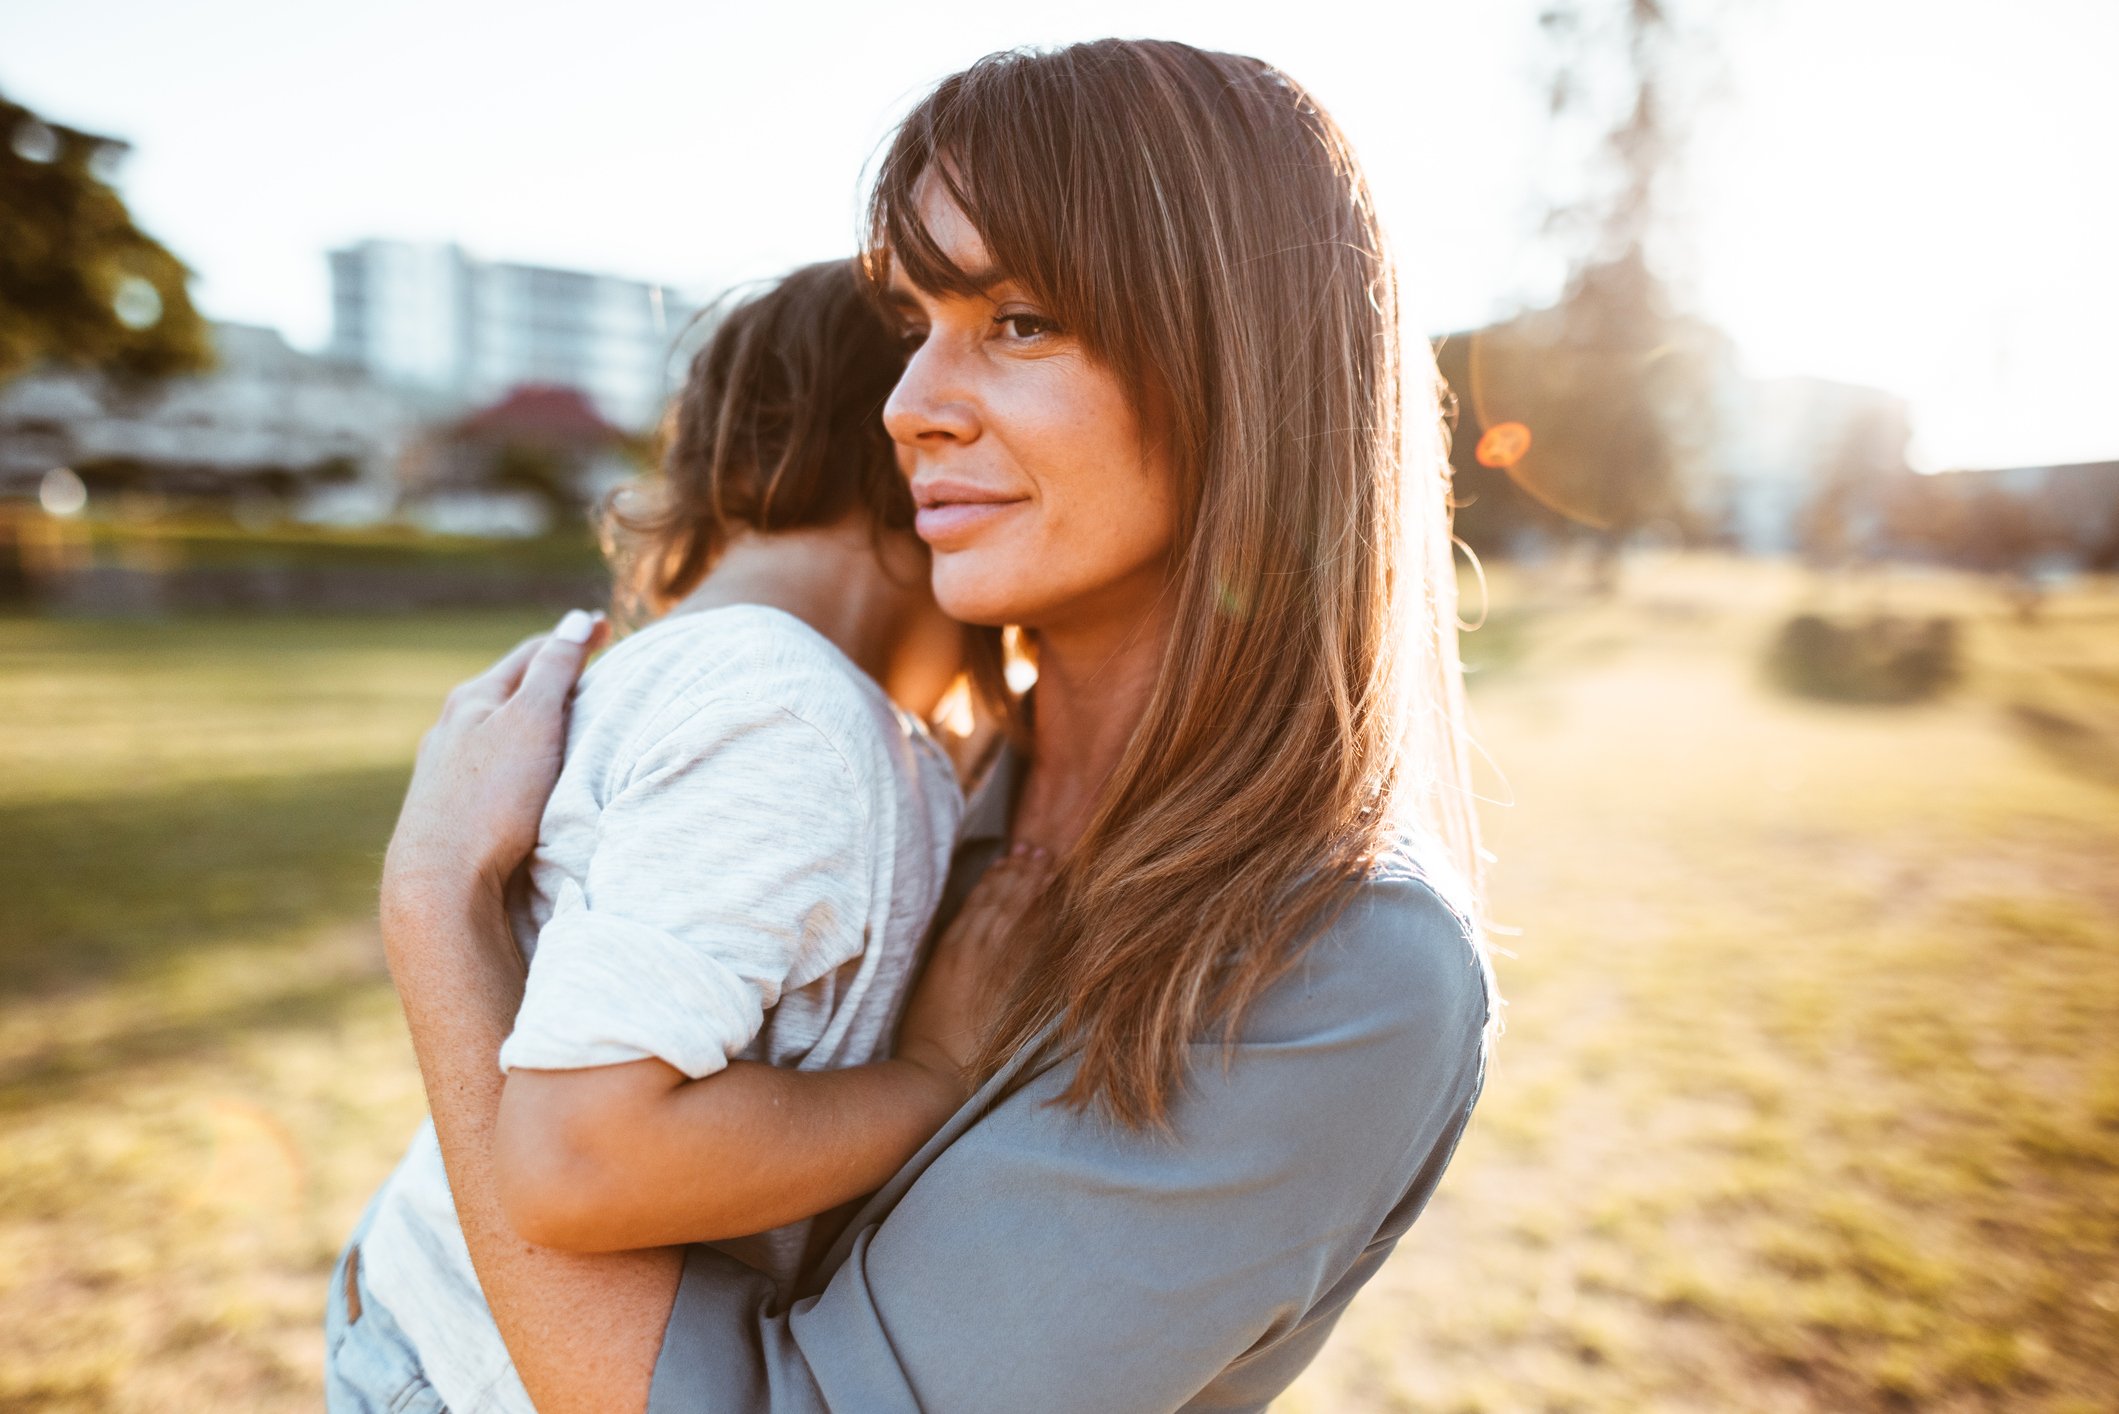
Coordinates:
1043 501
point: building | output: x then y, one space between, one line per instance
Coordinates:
2027 521
464 332
1798 463
539 458
268 424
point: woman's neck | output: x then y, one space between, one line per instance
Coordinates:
1093 686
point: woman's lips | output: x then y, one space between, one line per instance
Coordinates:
956 519
950 513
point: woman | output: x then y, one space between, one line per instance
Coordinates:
1154 418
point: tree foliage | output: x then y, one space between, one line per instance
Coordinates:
80 284
1614 382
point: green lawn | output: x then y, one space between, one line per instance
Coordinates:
178 784
1809 1099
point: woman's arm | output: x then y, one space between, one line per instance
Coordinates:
583 1329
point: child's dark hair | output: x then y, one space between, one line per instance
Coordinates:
778 426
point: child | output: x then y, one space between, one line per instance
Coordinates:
736 867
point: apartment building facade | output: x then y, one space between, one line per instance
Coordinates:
464 332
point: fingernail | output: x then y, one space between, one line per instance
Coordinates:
575 627
1020 848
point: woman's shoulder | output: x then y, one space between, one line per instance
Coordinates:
1401 956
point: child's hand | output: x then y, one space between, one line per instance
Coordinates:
973 964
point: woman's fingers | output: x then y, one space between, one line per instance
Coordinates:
485 771
504 674
563 651
486 692
550 672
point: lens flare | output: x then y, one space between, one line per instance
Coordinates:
1503 445
62 492
137 303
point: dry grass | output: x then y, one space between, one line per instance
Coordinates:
1809 1101
202 1071
1810 1096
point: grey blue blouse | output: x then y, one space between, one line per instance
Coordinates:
1034 1258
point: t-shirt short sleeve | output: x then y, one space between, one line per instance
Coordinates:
731 866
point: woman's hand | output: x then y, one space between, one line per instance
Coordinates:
974 964
487 768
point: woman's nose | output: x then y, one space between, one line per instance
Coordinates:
930 402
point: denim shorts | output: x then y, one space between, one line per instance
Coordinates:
370 1367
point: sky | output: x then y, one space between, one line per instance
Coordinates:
1919 195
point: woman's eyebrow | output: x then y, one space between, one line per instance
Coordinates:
980 282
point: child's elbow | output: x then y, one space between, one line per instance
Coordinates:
552 1181
547 1213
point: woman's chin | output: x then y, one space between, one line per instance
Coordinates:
977 599
980 614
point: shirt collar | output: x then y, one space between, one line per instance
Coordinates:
986 813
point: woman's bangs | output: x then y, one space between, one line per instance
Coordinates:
989 168
901 238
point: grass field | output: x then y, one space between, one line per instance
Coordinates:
1810 1093
1809 1098
202 1070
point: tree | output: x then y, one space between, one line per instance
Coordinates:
80 284
1633 77
546 473
1617 396
1614 383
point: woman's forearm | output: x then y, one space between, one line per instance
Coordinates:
583 1329
638 1155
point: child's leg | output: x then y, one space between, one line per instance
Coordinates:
369 1365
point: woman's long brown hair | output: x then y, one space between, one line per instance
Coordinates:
1203 226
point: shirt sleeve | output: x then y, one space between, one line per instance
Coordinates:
731 865
1045 1260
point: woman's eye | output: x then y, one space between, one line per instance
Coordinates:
911 338
1026 326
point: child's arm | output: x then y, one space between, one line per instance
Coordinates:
637 1155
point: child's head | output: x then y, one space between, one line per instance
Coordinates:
778 427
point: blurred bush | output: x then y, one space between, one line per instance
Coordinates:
1883 658
152 566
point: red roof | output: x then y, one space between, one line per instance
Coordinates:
540 412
